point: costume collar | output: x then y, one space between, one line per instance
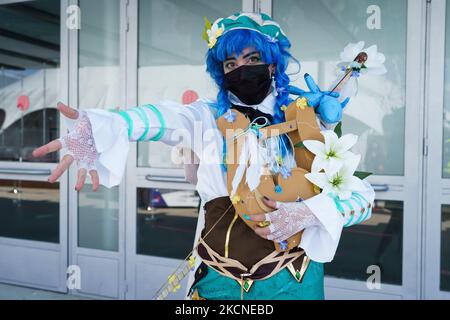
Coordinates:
266 106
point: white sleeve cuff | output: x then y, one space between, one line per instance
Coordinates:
320 242
110 134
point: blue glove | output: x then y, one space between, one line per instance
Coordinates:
325 103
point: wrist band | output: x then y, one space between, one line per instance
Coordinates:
363 209
338 205
144 119
127 118
348 205
162 128
369 208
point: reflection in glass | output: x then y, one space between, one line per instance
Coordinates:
377 241
166 222
172 59
98 218
445 248
29 210
319 30
446 113
29 78
98 55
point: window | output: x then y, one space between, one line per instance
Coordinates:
29 210
29 78
172 59
377 241
318 31
166 222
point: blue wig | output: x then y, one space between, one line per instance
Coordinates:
234 42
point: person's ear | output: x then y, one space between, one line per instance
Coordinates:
272 69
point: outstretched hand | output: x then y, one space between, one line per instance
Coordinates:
80 147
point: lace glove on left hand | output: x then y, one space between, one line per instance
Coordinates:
288 219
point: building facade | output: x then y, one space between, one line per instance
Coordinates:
123 242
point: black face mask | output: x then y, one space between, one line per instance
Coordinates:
250 83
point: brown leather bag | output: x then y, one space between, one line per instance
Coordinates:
301 124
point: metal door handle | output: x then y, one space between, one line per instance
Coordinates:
34 172
150 177
380 187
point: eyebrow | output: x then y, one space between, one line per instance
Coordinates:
244 57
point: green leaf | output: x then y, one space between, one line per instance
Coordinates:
362 174
338 129
205 36
207 27
299 145
208 24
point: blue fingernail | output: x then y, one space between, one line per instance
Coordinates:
246 217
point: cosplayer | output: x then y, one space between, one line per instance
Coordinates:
276 180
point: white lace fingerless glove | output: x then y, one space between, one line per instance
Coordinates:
80 144
288 219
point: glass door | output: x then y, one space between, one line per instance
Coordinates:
437 232
97 218
33 215
162 209
386 117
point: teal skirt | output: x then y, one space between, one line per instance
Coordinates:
281 286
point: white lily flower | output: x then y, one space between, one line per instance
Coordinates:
373 65
342 182
351 50
331 155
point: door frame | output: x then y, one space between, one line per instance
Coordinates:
437 188
98 262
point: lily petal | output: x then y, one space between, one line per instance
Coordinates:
330 139
351 50
353 184
345 143
332 166
350 165
316 147
371 55
320 179
318 164
328 189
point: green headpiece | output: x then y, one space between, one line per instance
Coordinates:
258 22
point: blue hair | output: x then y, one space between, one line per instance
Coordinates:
234 42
